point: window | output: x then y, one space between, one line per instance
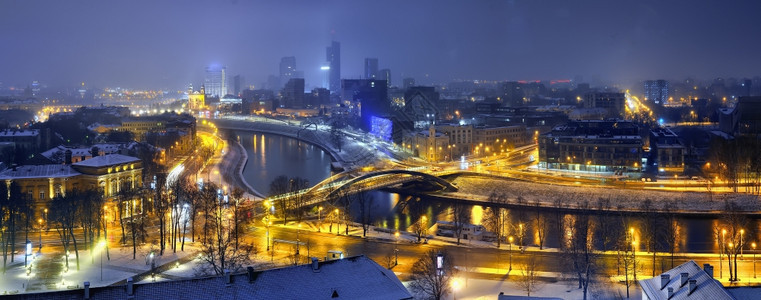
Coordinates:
42 195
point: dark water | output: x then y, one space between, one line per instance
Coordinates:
273 155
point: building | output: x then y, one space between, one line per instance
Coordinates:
287 69
371 68
371 96
26 140
385 74
657 91
196 99
592 146
239 84
333 57
350 278
743 119
109 173
498 140
257 101
215 81
666 151
408 82
140 126
686 281
613 103
427 144
293 94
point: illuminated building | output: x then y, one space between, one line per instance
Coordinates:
109 173
666 152
333 57
657 91
196 99
371 68
216 81
371 96
592 146
239 84
430 144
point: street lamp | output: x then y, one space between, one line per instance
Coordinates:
510 239
338 224
319 219
721 248
634 259
396 248
102 245
742 234
39 221
753 245
455 286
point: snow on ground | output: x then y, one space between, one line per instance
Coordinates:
47 271
479 188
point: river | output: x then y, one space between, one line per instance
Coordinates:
271 155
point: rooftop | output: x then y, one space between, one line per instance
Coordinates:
706 287
352 278
39 171
107 160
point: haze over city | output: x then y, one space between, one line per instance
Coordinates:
167 44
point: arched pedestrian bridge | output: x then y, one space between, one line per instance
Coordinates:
348 182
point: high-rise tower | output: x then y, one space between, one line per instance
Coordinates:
657 91
371 68
216 81
287 69
333 56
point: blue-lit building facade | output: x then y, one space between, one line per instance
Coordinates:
592 146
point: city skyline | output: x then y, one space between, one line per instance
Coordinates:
153 45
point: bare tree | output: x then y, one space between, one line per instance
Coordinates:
650 229
432 273
364 200
579 254
672 230
279 187
540 223
63 213
459 217
529 281
733 231
496 217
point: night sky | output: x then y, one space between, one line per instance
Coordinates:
167 44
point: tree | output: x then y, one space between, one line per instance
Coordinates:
734 222
432 273
218 249
64 215
529 281
579 254
280 186
4 212
672 230
496 217
650 229
365 201
336 135
459 217
540 223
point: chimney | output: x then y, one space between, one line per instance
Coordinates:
693 286
250 271
87 290
228 278
315 264
130 291
67 157
708 269
665 280
671 292
684 276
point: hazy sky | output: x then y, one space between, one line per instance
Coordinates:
161 43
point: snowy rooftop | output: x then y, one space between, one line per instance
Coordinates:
9 132
38 171
107 160
706 287
351 278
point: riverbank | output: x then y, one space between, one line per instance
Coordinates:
529 194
